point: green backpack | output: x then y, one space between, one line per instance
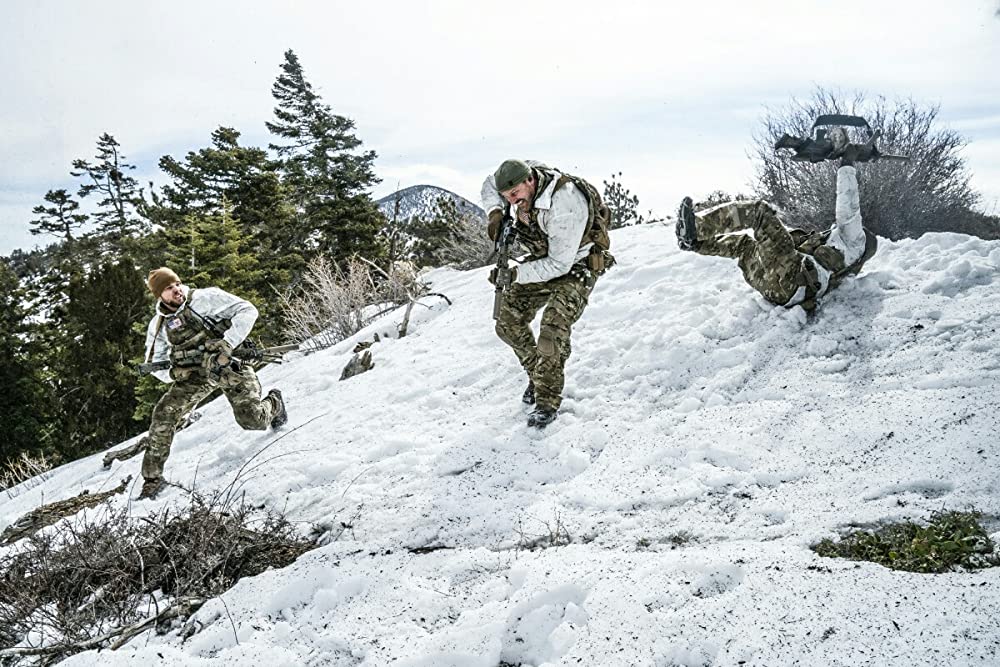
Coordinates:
598 224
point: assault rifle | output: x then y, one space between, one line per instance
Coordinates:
835 144
247 351
505 239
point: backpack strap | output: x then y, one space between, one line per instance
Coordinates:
598 215
159 325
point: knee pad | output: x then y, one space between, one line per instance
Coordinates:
546 344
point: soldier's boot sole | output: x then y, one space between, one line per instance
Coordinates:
280 416
687 229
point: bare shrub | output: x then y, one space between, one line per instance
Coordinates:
95 581
552 534
23 472
930 192
468 247
333 303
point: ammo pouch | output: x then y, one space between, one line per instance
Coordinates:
599 261
186 358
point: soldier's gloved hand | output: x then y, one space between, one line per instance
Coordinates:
179 373
229 376
223 352
495 223
503 278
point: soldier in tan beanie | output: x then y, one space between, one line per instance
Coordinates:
160 279
197 330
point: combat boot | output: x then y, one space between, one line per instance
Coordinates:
541 417
151 487
687 230
528 397
280 415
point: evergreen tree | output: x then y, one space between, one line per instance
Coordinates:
328 177
24 402
212 251
60 219
118 222
94 381
624 206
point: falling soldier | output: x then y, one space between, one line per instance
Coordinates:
198 330
789 267
562 223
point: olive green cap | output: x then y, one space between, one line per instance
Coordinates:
511 173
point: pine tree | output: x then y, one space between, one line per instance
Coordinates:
118 222
94 380
212 251
60 219
624 206
25 405
328 177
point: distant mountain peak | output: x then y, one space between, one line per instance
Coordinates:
419 200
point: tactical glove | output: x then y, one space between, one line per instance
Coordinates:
223 350
180 373
503 278
495 223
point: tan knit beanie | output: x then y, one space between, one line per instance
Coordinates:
160 279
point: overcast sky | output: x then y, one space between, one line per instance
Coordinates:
669 93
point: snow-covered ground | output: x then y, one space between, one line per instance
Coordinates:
707 439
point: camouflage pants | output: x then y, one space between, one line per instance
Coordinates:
241 389
769 260
563 299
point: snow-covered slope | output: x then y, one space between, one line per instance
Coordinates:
706 441
420 200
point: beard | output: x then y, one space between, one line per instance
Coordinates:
174 304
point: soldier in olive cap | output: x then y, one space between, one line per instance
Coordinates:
201 361
562 223
789 267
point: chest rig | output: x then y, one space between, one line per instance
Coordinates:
187 335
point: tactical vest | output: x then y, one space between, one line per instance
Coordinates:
536 241
186 335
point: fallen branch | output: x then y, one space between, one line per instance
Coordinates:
181 607
46 515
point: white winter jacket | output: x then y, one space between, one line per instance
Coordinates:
562 215
847 233
210 302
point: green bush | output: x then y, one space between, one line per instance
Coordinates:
949 540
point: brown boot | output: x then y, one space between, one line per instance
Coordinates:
151 487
